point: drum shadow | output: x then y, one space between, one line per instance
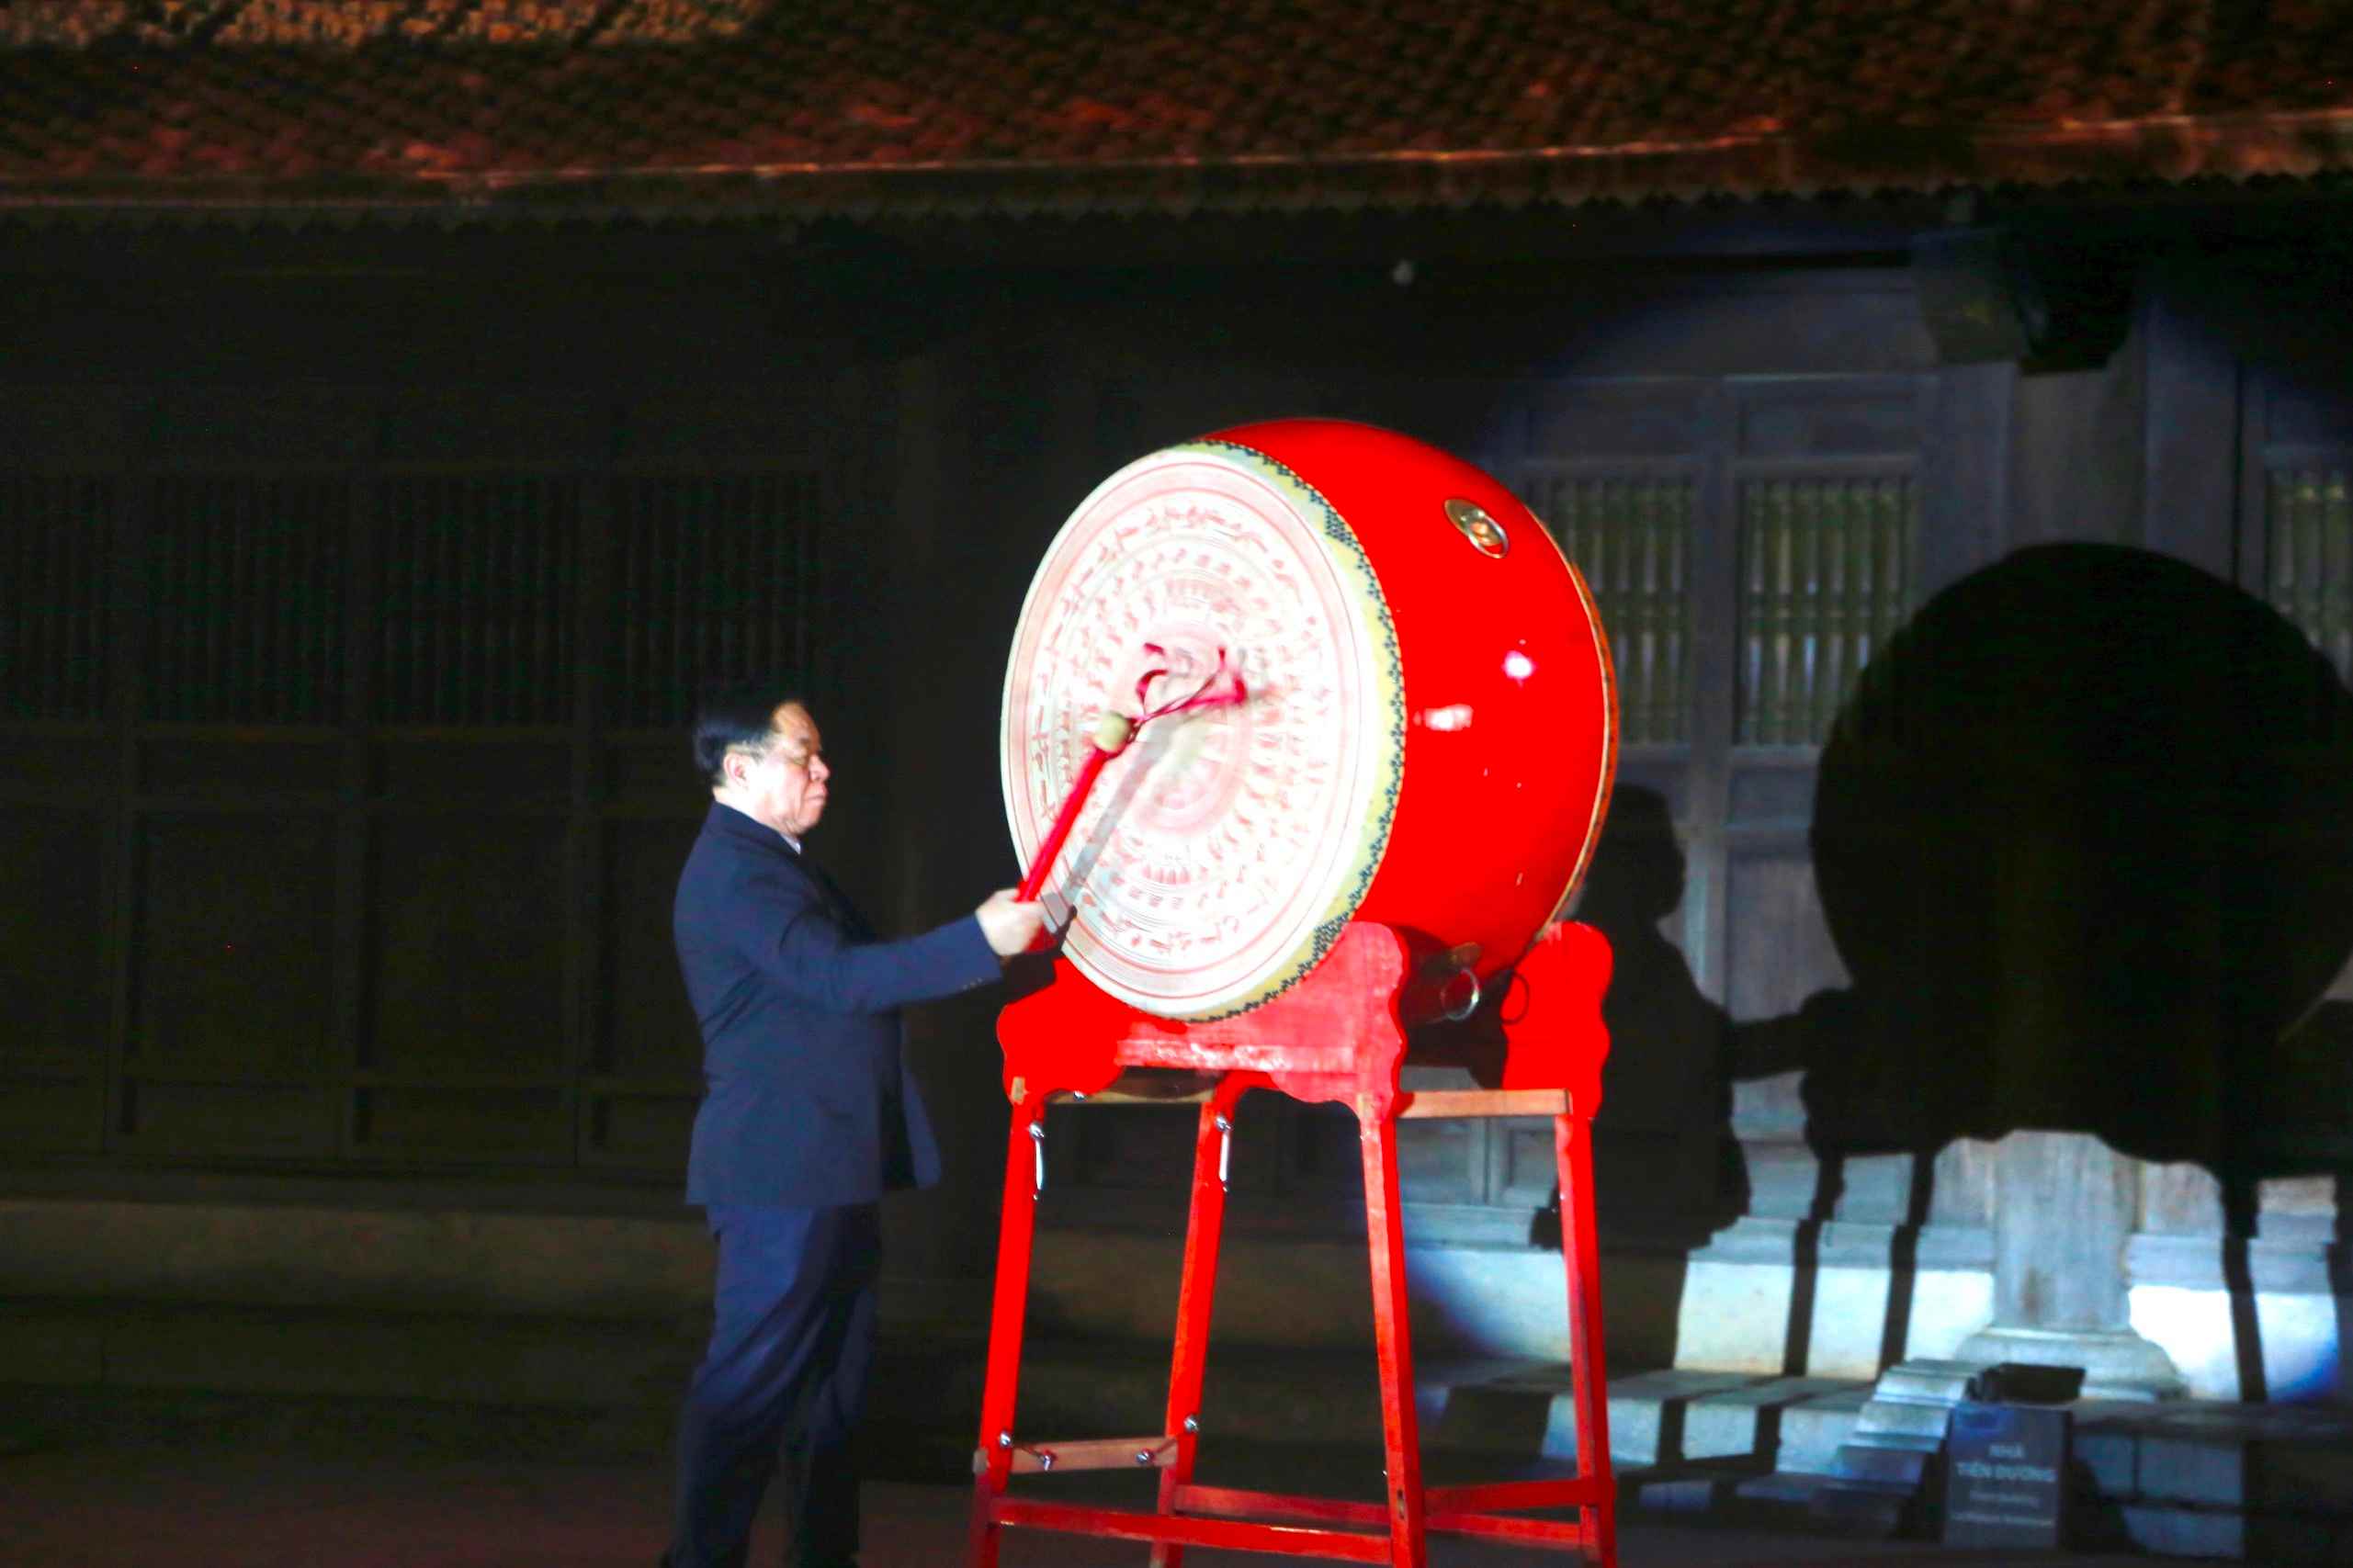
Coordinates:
2084 840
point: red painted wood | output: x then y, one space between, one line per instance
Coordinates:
1392 1345
1279 1505
1233 1500
1558 990
1281 1540
1335 1036
1588 1375
1511 705
1560 1533
1560 1491
1197 1291
992 1458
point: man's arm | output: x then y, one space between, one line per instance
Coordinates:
798 945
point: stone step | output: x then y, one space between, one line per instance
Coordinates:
1675 1418
1887 1463
2269 1458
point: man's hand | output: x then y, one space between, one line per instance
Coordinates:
1010 927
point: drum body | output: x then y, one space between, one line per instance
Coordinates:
1430 736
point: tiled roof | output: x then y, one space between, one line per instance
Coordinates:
813 106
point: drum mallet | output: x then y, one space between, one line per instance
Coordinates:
1113 733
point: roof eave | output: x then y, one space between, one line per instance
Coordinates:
1854 160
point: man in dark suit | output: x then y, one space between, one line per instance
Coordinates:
809 1116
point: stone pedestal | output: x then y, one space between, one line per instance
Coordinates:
2065 1208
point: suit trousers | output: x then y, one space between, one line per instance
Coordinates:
785 1378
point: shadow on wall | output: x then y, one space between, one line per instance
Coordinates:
2083 839
1663 1136
1666 1167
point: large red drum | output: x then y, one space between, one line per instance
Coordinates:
1429 739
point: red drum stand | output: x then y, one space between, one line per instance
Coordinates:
1334 1036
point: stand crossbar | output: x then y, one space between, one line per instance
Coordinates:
1336 1036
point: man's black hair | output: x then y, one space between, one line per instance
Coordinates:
734 716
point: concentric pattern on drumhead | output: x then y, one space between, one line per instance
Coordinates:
1220 854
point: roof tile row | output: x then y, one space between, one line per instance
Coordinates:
1059 103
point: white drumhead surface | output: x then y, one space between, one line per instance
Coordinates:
1219 855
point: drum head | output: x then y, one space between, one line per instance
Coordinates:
1220 854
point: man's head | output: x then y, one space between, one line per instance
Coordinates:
762 753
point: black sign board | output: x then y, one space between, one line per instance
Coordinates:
2006 1475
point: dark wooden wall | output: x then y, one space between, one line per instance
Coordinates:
347 612
348 627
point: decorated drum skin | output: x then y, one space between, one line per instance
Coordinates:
1428 740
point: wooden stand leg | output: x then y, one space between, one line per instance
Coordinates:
1392 1337
1588 1370
1195 1295
992 1461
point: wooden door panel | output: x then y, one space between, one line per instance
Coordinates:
464 1122
54 973
53 959
191 1120
650 1030
316 732
467 961
234 955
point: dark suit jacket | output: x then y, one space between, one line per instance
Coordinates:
807 1100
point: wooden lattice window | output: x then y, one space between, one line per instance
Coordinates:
1825 580
1630 538
246 589
712 583
2308 524
477 607
55 538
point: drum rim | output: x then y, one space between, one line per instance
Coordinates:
1606 785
